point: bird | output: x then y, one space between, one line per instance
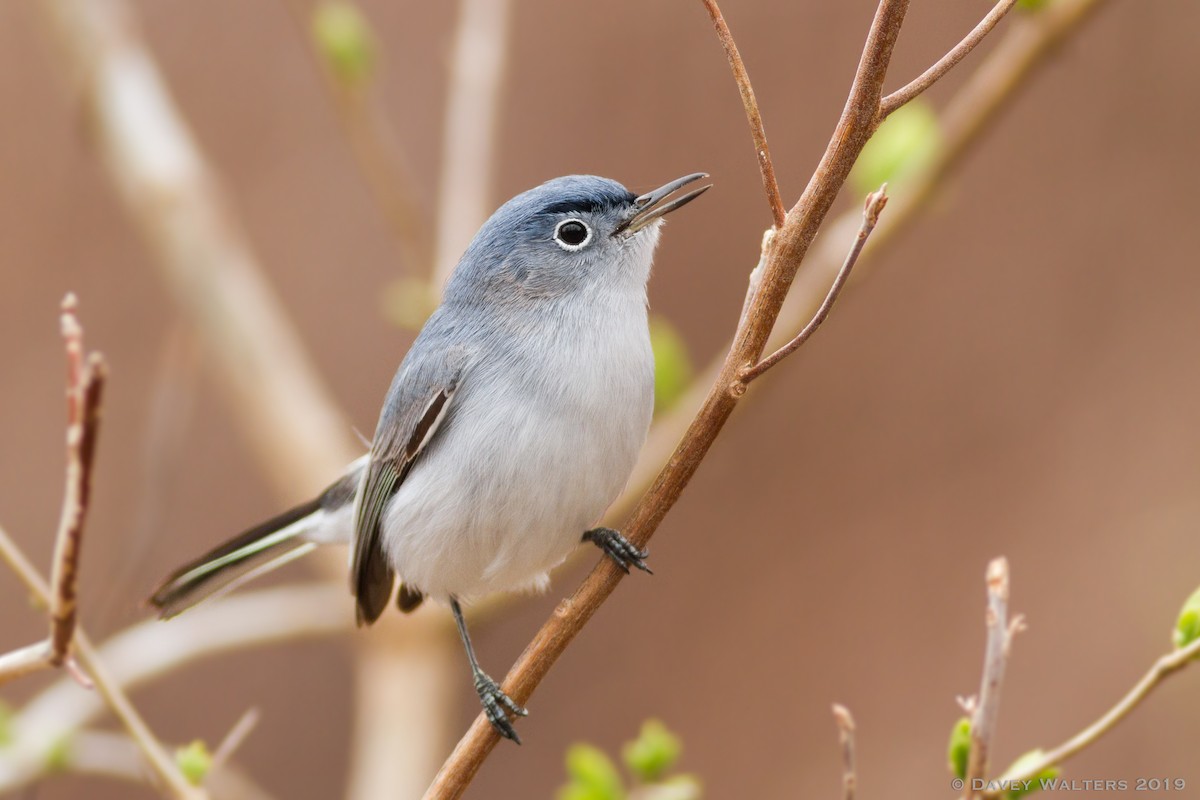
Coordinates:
511 424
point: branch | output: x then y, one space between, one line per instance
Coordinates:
150 650
791 243
871 210
947 62
999 644
759 134
477 69
1163 668
845 724
85 385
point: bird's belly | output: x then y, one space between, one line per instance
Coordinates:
506 498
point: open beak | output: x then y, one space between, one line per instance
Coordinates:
647 208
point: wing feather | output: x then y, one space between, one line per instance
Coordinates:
415 408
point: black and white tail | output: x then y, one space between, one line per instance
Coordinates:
257 551
260 549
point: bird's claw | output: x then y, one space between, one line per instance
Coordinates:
619 549
495 702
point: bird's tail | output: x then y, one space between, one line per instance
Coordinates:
248 555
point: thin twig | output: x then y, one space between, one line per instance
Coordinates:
1163 668
947 62
753 115
233 740
871 209
845 724
85 385
85 389
999 643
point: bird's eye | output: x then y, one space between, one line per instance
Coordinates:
572 234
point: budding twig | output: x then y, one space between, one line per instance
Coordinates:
999 643
753 115
845 724
871 209
85 383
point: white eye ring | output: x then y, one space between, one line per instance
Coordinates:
571 225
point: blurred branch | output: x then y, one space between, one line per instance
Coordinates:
169 191
753 115
845 725
1163 668
151 649
85 385
871 209
477 67
373 142
947 62
986 711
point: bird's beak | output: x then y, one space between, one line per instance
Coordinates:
646 209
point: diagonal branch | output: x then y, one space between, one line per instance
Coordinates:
792 241
753 116
947 62
1163 668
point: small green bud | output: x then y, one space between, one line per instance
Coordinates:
672 365
904 143
593 776
959 750
194 761
653 753
1187 628
1035 783
343 37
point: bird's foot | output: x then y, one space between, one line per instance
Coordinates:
495 703
618 548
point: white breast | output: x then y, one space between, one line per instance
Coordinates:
530 461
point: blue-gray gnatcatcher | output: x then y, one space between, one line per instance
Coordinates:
510 426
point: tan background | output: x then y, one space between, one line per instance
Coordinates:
1018 377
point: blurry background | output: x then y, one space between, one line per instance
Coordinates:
1017 376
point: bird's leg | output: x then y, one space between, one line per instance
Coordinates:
494 700
618 548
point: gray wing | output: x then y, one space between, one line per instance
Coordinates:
417 402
